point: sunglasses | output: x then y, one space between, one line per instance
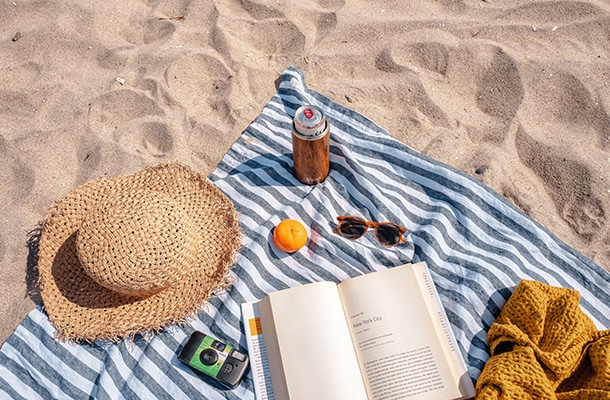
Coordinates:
387 233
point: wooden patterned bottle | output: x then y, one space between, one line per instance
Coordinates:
310 145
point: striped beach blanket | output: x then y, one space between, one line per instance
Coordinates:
478 247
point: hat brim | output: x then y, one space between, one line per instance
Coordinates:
81 309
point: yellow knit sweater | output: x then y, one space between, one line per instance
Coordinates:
544 346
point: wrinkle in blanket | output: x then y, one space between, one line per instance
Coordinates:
544 346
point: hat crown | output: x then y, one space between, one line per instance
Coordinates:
137 244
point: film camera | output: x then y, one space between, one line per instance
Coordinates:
214 358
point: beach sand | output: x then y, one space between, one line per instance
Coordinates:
514 93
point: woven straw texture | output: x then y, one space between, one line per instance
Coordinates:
544 346
135 253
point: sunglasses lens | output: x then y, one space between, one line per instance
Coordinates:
352 228
388 234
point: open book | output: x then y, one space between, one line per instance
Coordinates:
382 336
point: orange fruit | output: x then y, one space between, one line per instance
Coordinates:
290 235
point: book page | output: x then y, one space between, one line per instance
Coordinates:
308 344
435 306
259 365
402 353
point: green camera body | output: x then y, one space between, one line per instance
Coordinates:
215 359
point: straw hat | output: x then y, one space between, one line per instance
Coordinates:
135 253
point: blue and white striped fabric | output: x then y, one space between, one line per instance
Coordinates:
477 246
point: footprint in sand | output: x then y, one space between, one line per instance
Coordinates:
276 37
111 110
482 76
203 138
558 99
17 177
148 31
567 182
325 23
282 30
132 120
18 107
149 136
202 85
260 11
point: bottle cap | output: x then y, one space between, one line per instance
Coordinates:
310 121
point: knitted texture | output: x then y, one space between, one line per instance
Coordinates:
135 253
544 346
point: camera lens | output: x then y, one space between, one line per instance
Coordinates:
208 357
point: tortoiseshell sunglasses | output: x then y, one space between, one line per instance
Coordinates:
387 233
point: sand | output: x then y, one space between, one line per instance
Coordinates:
513 92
